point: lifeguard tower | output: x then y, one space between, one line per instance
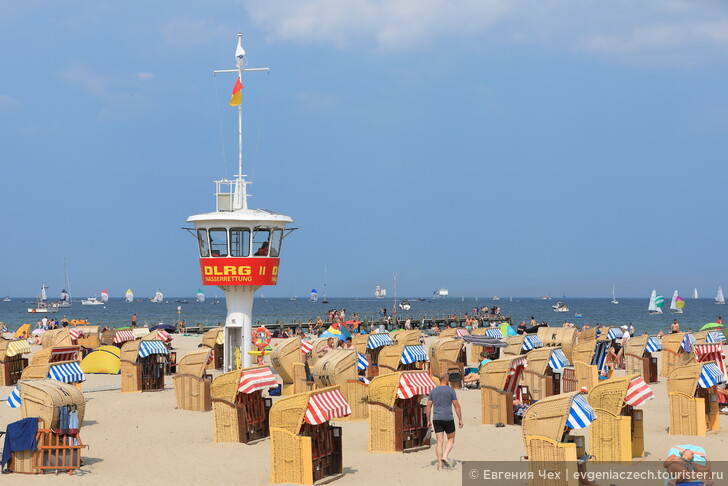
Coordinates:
239 247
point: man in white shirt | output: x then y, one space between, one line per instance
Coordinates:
620 354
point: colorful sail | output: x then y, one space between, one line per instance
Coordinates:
314 295
129 295
200 295
104 296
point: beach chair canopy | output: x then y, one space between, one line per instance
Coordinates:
413 353
653 345
614 333
361 362
123 336
8 349
66 372
254 379
494 332
504 373
60 354
326 406
600 355
147 348
140 332
158 335
379 340
638 392
413 384
531 341
581 414
710 375
558 359
461 331
306 346
479 340
687 342
714 337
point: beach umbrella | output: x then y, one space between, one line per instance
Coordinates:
38 332
332 333
711 325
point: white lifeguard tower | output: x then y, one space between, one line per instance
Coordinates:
239 248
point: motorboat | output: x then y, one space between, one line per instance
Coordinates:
405 305
560 306
92 301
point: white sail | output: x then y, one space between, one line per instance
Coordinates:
200 295
129 295
314 295
695 293
43 296
652 307
104 296
158 297
673 302
64 296
614 295
719 299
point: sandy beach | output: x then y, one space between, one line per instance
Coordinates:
140 438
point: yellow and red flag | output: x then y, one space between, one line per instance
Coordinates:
237 97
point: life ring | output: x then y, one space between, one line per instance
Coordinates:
261 337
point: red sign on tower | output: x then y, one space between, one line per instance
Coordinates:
239 271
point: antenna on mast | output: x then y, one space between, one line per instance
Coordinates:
240 194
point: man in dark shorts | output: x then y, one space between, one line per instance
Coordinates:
443 398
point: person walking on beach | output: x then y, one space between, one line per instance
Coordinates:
440 403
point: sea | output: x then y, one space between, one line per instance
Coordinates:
117 312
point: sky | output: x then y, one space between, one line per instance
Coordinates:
491 147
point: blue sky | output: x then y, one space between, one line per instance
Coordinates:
490 147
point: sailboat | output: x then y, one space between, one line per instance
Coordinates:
314 295
104 296
677 303
325 300
719 299
614 296
129 295
65 300
200 295
695 293
41 306
7 299
158 297
380 293
656 302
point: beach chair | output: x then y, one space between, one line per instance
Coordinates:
452 332
587 335
447 355
240 412
215 340
588 373
499 382
341 367
520 344
692 392
305 447
88 338
397 421
12 361
288 360
407 338
551 449
369 345
618 434
561 337
544 373
401 357
491 351
62 363
674 350
191 383
638 357
143 365
57 337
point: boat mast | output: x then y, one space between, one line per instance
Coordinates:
240 196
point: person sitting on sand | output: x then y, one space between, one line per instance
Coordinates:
684 468
473 377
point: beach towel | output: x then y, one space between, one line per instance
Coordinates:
20 436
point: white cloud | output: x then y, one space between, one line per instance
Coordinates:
9 104
186 31
614 27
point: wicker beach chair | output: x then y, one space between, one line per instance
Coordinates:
62 363
491 352
638 357
397 421
693 399
43 399
215 340
544 373
672 352
408 338
448 355
587 335
240 412
57 337
551 449
305 447
192 384
12 361
143 365
369 345
590 363
400 357
562 337
288 360
89 338
499 382
618 434
340 367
